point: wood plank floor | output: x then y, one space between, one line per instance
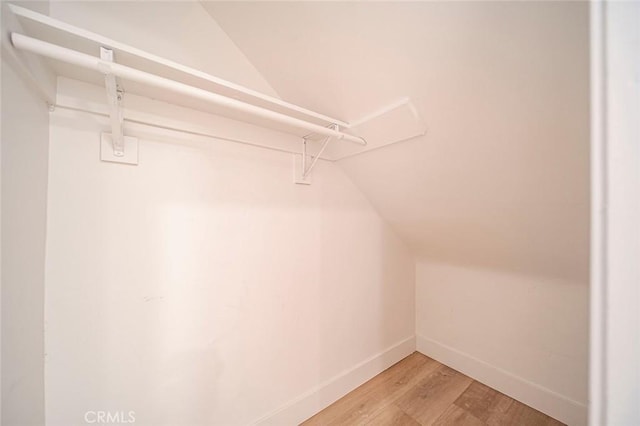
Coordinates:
419 391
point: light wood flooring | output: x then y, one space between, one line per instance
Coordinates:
420 391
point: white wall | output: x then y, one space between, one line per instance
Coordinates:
526 336
623 197
203 287
615 346
25 135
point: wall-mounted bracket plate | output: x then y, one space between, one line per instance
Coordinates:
130 150
298 171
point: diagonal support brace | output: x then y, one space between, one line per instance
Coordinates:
306 171
114 99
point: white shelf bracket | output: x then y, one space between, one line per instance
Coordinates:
115 147
306 171
302 176
114 98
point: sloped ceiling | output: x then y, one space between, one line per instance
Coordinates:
501 178
177 30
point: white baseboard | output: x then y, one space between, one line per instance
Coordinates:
306 405
542 399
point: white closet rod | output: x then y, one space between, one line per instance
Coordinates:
74 31
80 59
170 128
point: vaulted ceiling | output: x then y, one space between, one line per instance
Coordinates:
501 178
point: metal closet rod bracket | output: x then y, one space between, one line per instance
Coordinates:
307 170
114 99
